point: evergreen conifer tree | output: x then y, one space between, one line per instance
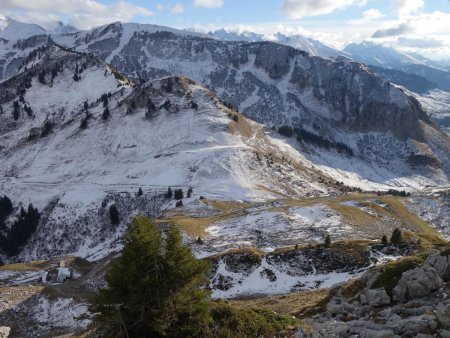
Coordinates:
154 288
396 237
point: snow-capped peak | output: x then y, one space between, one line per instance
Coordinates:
11 29
4 22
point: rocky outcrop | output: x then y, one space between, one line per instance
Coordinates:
417 283
422 307
441 263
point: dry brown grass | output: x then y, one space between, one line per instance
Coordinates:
288 304
31 266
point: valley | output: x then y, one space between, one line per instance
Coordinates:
287 171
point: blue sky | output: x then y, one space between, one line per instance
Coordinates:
415 25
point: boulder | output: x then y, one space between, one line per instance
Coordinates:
338 306
4 331
441 263
411 326
417 283
377 297
445 334
443 314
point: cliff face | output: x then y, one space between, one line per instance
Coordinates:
270 83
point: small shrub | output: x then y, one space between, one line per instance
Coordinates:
179 204
327 243
286 131
384 239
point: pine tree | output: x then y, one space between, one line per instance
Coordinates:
189 192
104 98
179 204
178 195
154 288
86 106
327 241
114 215
140 192
6 207
41 77
106 113
16 110
84 123
169 85
28 110
47 129
384 239
169 193
396 237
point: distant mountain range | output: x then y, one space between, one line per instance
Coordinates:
313 47
390 58
14 30
411 70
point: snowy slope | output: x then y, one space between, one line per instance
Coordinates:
437 104
73 174
278 85
14 30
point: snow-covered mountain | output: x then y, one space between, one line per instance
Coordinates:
14 30
62 152
378 55
337 100
312 46
71 157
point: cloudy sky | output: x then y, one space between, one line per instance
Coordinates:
412 25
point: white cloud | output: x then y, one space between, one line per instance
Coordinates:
405 7
426 33
208 3
160 7
296 9
177 9
83 14
368 16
